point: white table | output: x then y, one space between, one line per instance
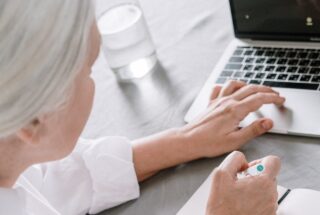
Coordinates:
190 36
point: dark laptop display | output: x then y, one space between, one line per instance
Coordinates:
277 19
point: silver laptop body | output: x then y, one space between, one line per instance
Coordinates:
265 52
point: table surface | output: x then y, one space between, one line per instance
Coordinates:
190 36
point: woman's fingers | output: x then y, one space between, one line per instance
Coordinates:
252 131
234 163
272 166
238 90
248 105
256 101
250 90
215 92
252 163
231 87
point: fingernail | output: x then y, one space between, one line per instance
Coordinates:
266 125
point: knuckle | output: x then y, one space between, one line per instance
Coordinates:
227 109
266 88
243 83
256 130
275 159
261 95
238 154
215 88
253 88
230 106
232 82
218 174
225 100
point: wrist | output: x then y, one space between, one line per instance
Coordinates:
189 137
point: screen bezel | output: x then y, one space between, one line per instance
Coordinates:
270 36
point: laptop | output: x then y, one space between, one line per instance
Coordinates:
277 44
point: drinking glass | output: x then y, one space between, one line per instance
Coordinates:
127 43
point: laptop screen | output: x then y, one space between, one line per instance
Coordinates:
277 19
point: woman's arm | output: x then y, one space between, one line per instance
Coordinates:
161 151
214 133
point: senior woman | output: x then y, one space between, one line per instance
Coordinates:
46 94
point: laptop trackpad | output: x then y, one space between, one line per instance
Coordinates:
300 114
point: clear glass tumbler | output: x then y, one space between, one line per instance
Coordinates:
127 43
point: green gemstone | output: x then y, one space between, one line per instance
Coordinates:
260 168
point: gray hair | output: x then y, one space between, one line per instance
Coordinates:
42 46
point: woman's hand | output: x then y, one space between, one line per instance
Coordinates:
217 131
248 196
214 133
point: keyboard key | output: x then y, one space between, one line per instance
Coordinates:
244 80
248 53
282 61
269 53
294 77
291 54
293 62
315 63
226 74
316 79
271 61
233 66
302 55
249 75
305 78
303 70
280 54
281 69
260 75
282 77
257 82
234 79
221 80
259 53
238 74
271 76
304 86
248 67
292 69
238 52
269 68
314 71
258 68
313 55
304 62
250 60
236 59
260 60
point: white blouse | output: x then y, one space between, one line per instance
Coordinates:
98 175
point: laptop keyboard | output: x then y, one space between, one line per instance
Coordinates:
274 67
